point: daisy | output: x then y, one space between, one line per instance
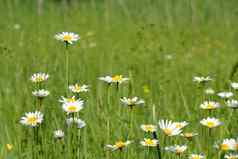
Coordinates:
177 149
189 136
32 119
107 79
169 128
211 122
225 95
130 102
119 145
209 105
232 103
41 93
231 156
71 105
67 37
181 125
202 79
39 77
78 89
228 144
209 91
196 156
119 79
234 85
149 128
58 134
149 142
79 123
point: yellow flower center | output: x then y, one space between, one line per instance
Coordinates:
117 78
210 106
196 157
77 87
72 108
39 79
149 128
9 147
67 38
224 147
210 124
32 120
179 126
179 151
120 144
149 142
188 135
72 99
167 131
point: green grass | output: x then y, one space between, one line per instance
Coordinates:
132 38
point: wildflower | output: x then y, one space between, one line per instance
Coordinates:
58 134
146 89
9 147
130 102
228 145
196 156
79 123
71 105
149 142
41 93
210 122
181 125
209 105
78 89
39 77
231 156
232 103
67 37
202 79
234 85
32 119
119 145
169 128
225 95
177 149
119 79
209 91
149 128
189 136
107 79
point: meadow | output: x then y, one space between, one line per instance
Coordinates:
161 46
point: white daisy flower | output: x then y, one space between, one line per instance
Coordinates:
107 79
131 102
211 122
79 123
232 103
119 79
58 134
181 125
225 95
231 156
149 142
196 156
149 128
234 85
169 128
67 37
32 119
209 105
202 79
228 145
39 77
189 136
119 145
41 93
209 91
177 149
78 89
71 105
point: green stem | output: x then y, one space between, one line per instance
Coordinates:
67 67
